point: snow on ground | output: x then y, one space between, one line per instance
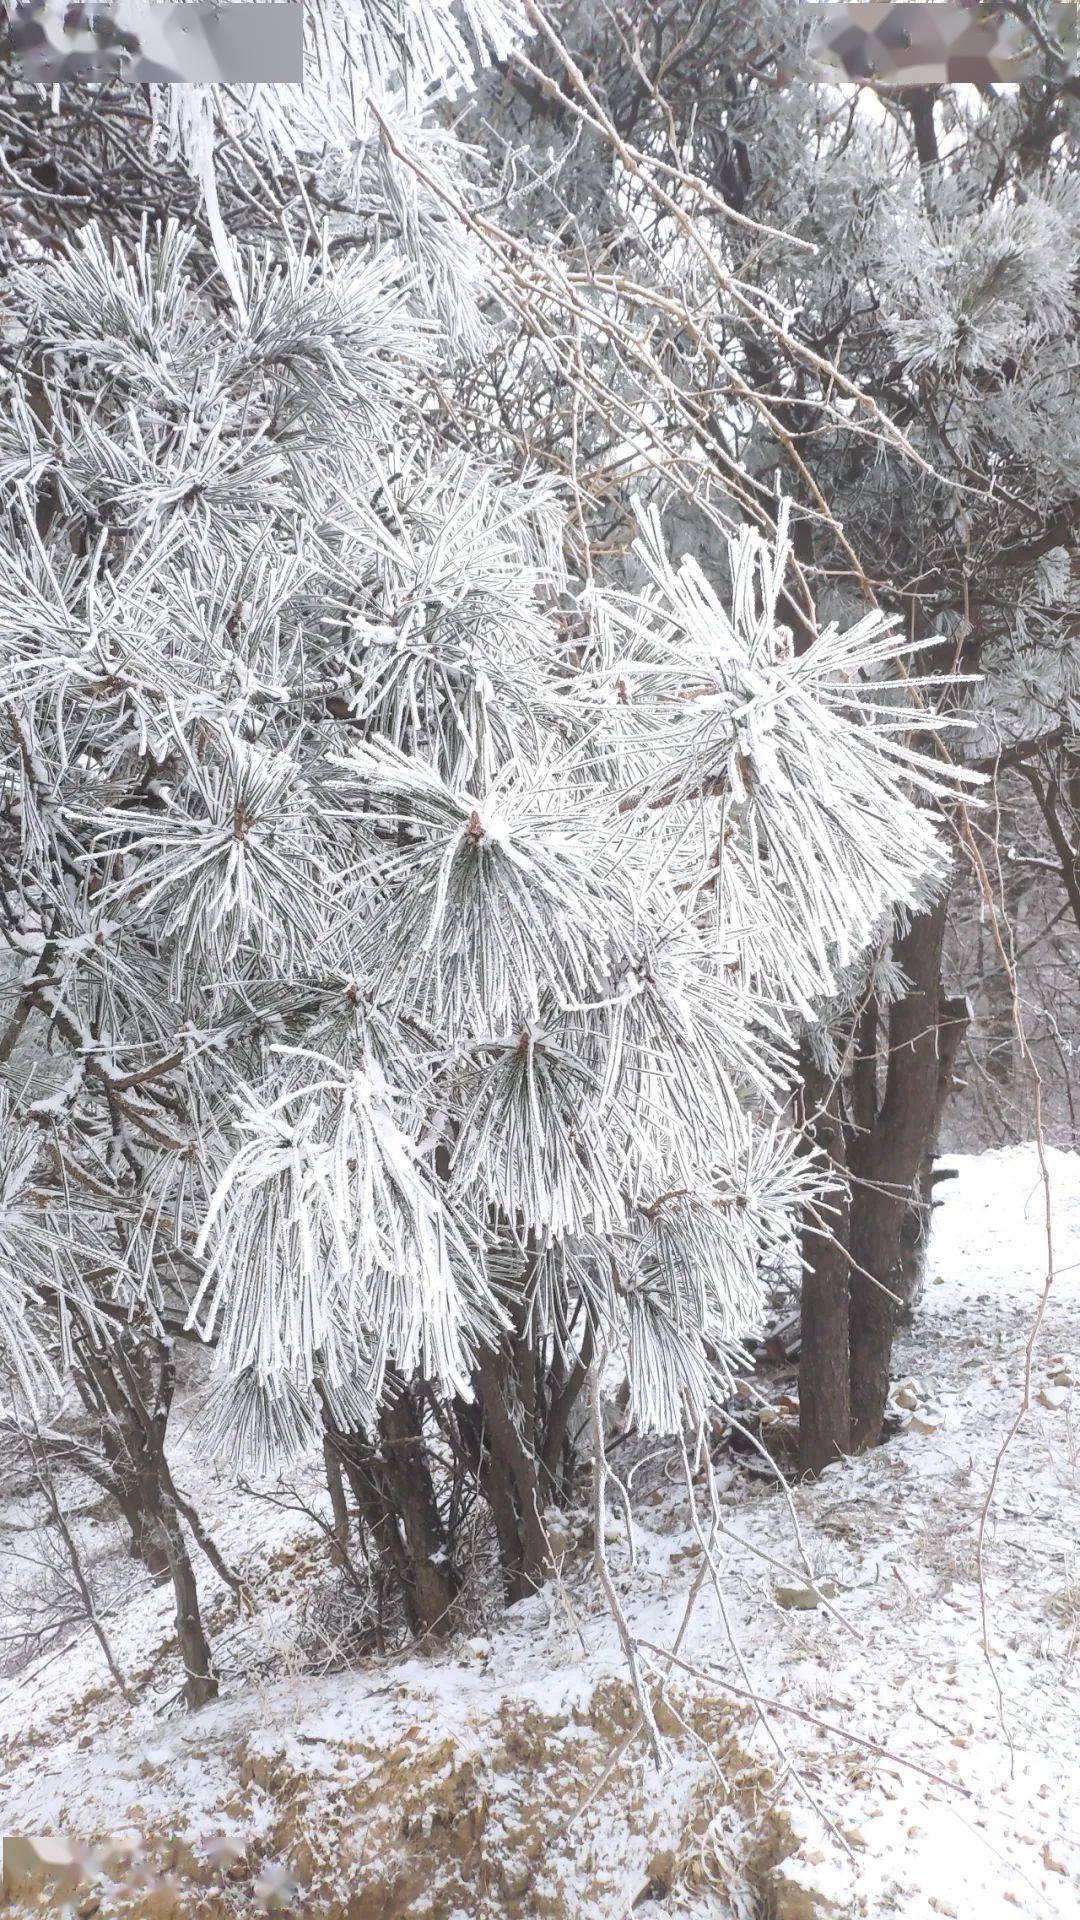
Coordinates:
898 1531
947 1783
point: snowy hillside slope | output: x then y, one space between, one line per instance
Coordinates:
902 1768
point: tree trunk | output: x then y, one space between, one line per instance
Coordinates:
565 1389
998 1022
380 1532
886 1164
391 1482
200 1684
954 1017
434 1581
100 1398
824 1394
134 1381
518 1470
517 1467
335 1486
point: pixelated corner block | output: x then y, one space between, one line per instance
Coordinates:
34 1864
57 1875
144 41
942 44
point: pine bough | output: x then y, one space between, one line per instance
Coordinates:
424 935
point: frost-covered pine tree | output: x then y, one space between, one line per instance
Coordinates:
862 297
423 927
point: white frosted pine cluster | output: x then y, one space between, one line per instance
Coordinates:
426 934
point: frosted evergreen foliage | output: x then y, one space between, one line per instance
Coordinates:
376 73
423 957
944 225
954 286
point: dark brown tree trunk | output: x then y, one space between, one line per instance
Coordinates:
147 1539
954 1017
391 1482
565 1390
200 1684
824 1394
515 1467
335 1486
150 1410
363 1468
886 1165
518 1470
134 1381
435 1583
1048 795
998 1022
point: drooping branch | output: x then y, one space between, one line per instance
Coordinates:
1046 794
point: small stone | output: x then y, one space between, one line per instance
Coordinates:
804 1599
1053 1397
1054 1857
906 1396
926 1422
559 1536
478 1649
661 1872
1061 1377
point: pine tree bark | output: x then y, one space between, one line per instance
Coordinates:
335 1486
390 1478
824 1361
516 1467
434 1583
200 1682
954 1017
380 1532
886 1164
101 1398
135 1383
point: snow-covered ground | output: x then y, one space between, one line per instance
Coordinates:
906 1765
